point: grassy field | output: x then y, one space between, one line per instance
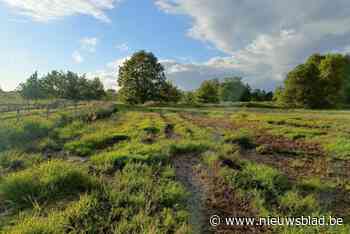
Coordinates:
119 169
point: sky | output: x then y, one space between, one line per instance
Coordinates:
195 40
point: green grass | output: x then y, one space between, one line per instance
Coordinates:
16 160
45 182
242 137
88 144
339 147
296 205
128 182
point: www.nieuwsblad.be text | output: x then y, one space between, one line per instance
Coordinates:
216 220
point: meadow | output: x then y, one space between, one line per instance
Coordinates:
111 168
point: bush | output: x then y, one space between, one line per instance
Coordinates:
22 136
295 205
269 182
88 144
14 160
187 147
117 160
44 182
88 215
38 225
241 137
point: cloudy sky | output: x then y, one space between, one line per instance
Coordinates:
195 40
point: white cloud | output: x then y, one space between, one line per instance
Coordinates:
89 44
122 47
263 39
46 10
109 74
77 57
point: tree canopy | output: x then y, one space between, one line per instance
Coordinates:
208 92
142 79
232 89
321 82
62 85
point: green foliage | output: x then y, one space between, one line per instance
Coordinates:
269 182
38 225
241 137
139 189
316 84
24 135
32 88
208 92
170 93
15 160
187 147
295 205
62 85
142 79
232 89
90 143
189 98
340 147
44 182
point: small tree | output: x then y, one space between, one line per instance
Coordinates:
141 79
208 92
189 98
33 88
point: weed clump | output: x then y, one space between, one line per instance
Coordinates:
187 147
243 138
16 160
90 143
44 182
22 136
295 205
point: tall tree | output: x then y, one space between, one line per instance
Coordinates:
346 88
208 92
141 78
318 83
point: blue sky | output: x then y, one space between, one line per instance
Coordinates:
195 40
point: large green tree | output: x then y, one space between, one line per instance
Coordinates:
208 92
141 79
318 83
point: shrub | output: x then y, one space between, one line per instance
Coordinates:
187 147
38 225
88 144
22 136
295 205
15 160
88 215
136 152
241 137
44 182
269 182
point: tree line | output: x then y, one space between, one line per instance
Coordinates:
142 79
323 81
61 85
